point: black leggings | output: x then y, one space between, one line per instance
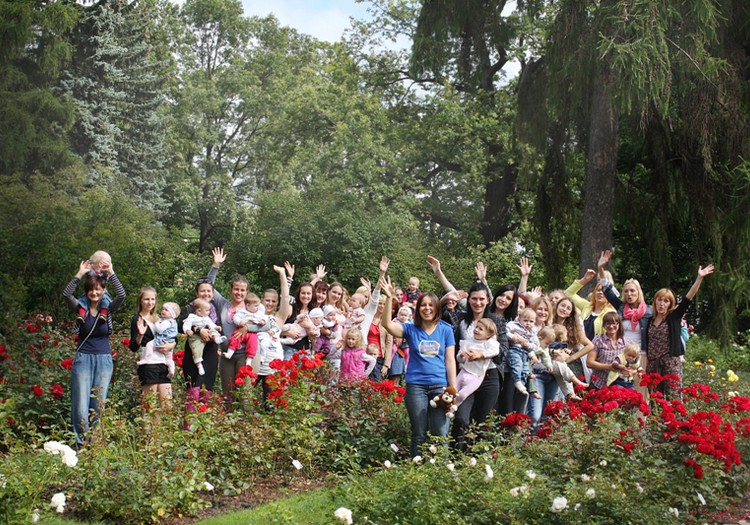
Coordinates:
476 407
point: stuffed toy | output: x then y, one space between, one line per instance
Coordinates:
446 401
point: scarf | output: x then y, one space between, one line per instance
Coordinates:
634 314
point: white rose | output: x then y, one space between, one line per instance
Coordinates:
473 462
451 467
585 478
559 504
531 474
208 486
603 463
387 464
344 515
58 501
417 459
433 449
674 512
488 472
590 493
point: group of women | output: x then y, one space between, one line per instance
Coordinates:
597 330
594 326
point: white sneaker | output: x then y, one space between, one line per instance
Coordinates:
229 353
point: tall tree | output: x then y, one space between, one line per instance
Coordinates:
116 82
232 78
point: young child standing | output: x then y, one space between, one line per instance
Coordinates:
193 324
625 367
100 262
519 354
165 331
475 356
356 363
400 355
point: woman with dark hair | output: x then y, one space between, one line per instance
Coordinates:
505 303
92 366
476 407
320 295
432 364
303 300
199 387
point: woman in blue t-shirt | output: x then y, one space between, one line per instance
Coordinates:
432 363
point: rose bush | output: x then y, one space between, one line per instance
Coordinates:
608 456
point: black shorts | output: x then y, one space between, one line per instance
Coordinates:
153 374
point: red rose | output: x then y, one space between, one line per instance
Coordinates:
67 364
37 390
46 336
126 342
202 408
56 391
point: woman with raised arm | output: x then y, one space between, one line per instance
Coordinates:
662 337
592 309
634 312
269 345
92 365
200 386
303 300
371 326
432 364
476 407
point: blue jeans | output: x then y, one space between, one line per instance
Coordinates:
547 387
422 416
89 382
518 361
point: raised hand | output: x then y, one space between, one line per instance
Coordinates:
524 267
604 258
481 271
280 270
141 325
535 292
434 263
83 268
366 283
703 272
219 256
320 271
384 263
289 269
387 286
590 274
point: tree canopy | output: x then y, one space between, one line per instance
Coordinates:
545 129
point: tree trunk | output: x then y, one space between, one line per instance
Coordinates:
601 170
500 187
